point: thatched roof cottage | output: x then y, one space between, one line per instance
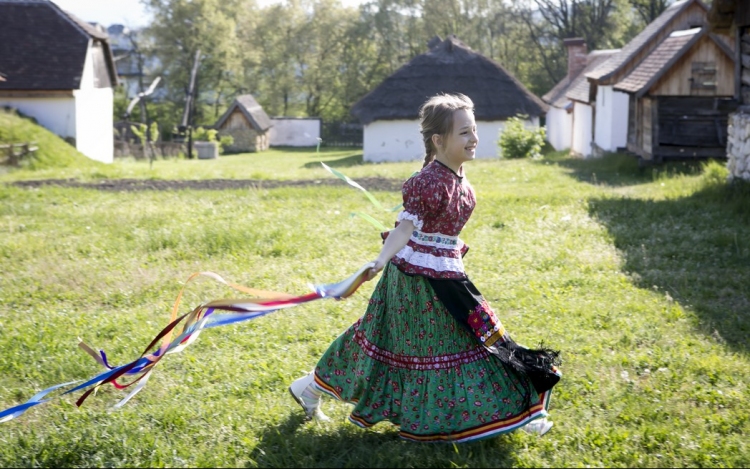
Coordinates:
390 111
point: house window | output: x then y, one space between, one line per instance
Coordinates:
703 76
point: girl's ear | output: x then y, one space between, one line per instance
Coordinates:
437 140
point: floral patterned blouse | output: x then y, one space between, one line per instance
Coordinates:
439 202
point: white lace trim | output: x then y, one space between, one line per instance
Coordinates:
425 260
404 215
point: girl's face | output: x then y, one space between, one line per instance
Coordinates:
460 145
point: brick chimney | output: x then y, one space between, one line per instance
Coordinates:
576 55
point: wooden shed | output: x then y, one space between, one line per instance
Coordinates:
680 97
610 107
247 123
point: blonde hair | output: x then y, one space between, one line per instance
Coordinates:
436 118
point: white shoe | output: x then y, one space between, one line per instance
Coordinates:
312 410
537 427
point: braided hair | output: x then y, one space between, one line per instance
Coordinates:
436 118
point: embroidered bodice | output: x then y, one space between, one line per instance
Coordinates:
439 202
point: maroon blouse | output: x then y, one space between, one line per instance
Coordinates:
439 202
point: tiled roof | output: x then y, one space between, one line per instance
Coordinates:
642 40
556 96
659 59
44 48
253 111
663 58
578 88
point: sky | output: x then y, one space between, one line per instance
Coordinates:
128 12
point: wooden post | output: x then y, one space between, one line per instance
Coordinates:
655 132
12 156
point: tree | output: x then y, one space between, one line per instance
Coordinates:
649 9
179 29
603 24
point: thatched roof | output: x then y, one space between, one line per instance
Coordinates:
449 66
43 47
664 57
642 41
252 111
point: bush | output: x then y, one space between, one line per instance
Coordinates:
714 173
225 141
212 135
516 141
140 132
204 135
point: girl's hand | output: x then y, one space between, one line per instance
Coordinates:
375 269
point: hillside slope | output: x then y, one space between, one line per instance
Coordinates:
53 152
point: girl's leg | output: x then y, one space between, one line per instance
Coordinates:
307 395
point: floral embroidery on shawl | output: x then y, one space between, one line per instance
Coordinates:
485 324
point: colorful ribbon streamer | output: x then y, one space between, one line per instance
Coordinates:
202 317
353 183
372 198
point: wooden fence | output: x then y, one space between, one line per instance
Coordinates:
16 152
342 134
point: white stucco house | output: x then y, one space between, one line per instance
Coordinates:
60 71
295 131
568 100
389 112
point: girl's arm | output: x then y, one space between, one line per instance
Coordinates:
396 240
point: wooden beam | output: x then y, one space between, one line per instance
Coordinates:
689 152
35 93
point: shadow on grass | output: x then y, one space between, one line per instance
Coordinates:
295 443
619 169
695 249
345 162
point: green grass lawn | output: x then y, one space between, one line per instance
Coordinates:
641 277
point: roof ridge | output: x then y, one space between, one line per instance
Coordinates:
449 67
641 40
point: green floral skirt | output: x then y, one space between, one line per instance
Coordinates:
408 361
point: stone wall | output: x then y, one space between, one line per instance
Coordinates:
738 145
158 150
245 140
738 131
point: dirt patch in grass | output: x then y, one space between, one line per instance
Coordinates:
131 185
